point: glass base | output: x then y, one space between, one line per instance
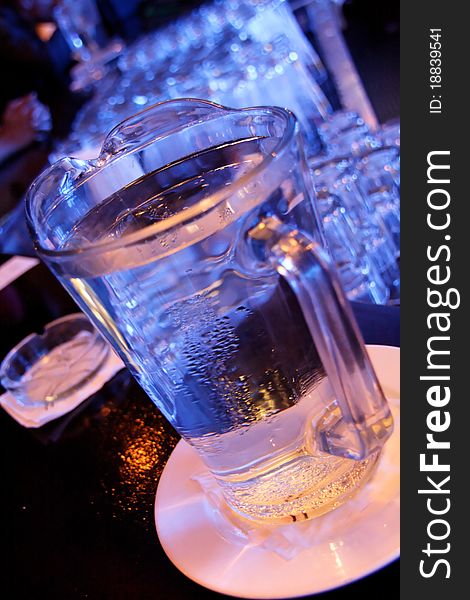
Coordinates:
321 484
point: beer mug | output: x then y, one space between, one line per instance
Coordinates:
194 246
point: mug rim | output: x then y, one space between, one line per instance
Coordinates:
105 159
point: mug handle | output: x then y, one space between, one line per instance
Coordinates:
362 421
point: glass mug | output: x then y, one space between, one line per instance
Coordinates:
79 23
185 243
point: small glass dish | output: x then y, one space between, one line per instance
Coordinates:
48 367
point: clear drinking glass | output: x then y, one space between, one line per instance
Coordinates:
379 180
185 244
359 276
275 18
339 177
79 23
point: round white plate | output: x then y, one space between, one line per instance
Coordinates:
366 543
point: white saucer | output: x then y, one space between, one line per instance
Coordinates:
355 548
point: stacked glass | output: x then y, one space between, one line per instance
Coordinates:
235 52
361 169
251 53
